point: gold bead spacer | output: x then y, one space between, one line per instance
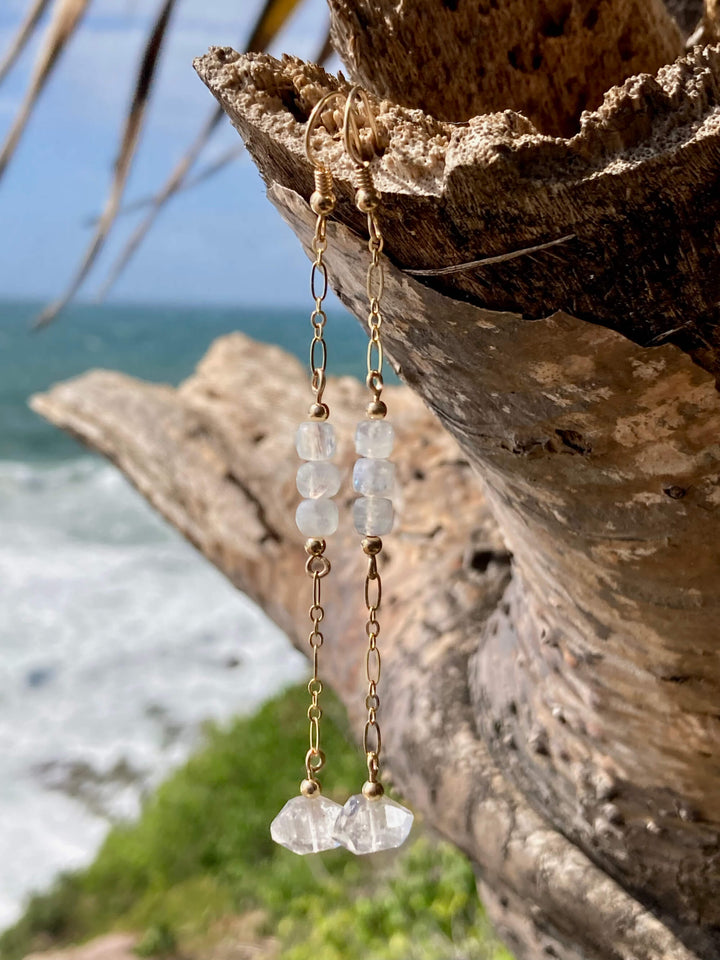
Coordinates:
376 410
367 199
372 790
371 545
322 204
318 411
310 788
314 547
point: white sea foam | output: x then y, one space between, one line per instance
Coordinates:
117 640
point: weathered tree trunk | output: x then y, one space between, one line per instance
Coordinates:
557 717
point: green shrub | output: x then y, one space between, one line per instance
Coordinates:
201 851
159 940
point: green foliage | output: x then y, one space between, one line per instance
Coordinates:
158 941
201 851
420 905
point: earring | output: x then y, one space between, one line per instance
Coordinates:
369 821
305 824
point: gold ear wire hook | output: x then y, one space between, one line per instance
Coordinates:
351 129
313 121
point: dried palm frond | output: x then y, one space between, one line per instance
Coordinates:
173 184
65 19
128 145
272 18
270 21
204 173
25 31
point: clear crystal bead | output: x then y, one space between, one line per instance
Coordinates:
368 826
373 477
374 438
315 440
373 516
318 478
317 518
305 824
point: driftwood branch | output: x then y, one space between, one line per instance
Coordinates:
556 717
217 461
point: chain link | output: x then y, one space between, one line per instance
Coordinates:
318 318
315 758
375 286
372 740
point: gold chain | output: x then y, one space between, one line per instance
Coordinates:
318 291
367 200
372 740
375 285
317 566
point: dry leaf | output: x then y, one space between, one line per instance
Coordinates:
128 146
26 30
65 19
270 21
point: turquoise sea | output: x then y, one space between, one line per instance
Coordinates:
117 640
160 343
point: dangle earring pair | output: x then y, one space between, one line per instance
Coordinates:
369 821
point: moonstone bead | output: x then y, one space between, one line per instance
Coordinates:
305 825
318 478
368 826
373 516
373 478
374 438
317 518
315 440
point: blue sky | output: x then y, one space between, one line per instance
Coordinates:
222 242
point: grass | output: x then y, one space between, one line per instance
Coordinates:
201 853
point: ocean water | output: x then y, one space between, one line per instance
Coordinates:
117 639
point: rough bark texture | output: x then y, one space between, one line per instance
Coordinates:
712 21
549 61
638 188
558 717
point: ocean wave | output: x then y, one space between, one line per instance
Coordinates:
118 642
